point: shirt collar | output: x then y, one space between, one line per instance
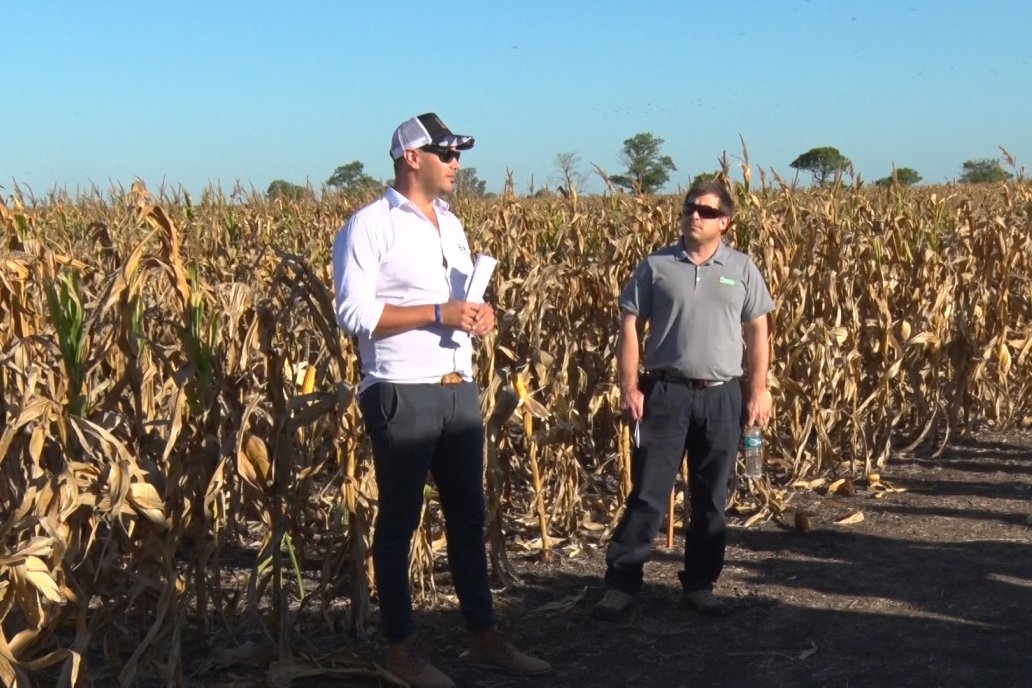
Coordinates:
396 199
719 256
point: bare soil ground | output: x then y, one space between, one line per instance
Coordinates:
932 588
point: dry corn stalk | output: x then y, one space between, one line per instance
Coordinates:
529 408
902 318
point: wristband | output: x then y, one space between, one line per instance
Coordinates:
437 314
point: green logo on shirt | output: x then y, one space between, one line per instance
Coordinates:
728 281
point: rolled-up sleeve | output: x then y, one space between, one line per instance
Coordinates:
356 266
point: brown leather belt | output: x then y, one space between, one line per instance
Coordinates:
451 379
678 379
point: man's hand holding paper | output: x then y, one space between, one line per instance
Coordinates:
475 318
473 315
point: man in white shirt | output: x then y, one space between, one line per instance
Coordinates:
401 268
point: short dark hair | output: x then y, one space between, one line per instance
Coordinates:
704 188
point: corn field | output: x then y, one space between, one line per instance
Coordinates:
181 451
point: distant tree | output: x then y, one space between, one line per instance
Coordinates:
280 188
570 176
705 177
822 163
647 169
985 170
904 176
352 179
468 185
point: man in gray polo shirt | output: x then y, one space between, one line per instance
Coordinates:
699 297
401 268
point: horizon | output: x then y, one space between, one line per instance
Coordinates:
165 190
193 96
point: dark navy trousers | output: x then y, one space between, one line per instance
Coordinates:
418 429
707 423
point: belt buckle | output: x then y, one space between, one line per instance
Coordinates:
451 379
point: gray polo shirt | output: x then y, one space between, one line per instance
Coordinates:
695 312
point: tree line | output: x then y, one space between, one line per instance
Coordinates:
826 163
648 170
352 180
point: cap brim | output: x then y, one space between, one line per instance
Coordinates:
455 141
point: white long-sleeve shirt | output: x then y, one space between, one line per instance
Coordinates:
389 252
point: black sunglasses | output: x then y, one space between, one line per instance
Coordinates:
445 155
704 211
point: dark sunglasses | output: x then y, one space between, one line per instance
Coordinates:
445 155
704 211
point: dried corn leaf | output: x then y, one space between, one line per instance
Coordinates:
38 574
562 606
534 408
851 519
842 485
883 487
756 518
809 484
341 665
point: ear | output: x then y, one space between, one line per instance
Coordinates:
412 158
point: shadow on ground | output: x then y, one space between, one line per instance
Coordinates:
933 587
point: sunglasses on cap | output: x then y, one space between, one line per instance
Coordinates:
704 211
445 155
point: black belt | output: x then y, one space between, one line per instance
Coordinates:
678 379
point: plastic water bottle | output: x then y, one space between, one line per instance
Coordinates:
752 447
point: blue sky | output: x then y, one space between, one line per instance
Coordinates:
196 93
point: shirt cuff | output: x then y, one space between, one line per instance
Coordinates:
370 317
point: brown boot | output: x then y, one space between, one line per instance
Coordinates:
408 661
490 648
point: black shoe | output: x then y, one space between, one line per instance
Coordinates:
705 602
612 605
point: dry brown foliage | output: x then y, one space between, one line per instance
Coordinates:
180 446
